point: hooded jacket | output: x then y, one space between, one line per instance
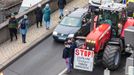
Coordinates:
24 31
66 53
46 13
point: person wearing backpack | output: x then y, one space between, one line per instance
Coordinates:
23 26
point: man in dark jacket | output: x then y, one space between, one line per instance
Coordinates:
13 24
61 5
39 15
72 44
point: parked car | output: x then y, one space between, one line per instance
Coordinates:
72 25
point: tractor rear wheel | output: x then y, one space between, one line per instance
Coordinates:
111 57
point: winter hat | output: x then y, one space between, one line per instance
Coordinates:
47 5
39 5
25 16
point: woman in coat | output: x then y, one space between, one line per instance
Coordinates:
46 14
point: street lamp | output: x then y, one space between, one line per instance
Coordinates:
1 73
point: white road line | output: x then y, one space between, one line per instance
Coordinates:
61 73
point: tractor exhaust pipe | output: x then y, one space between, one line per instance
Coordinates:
95 22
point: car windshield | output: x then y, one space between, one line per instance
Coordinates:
70 21
102 1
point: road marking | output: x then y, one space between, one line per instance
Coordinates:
61 73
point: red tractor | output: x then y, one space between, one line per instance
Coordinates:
106 40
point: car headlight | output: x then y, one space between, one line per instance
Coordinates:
70 35
55 33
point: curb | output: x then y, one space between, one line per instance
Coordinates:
27 49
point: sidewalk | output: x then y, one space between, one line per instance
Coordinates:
9 51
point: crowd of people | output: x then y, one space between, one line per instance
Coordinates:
42 15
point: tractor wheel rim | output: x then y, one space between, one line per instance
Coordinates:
117 57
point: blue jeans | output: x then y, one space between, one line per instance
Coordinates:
124 1
61 12
47 24
68 64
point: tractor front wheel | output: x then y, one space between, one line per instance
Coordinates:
111 57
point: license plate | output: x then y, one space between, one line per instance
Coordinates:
83 59
62 38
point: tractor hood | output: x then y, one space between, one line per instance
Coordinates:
99 32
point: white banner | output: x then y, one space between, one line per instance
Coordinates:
83 59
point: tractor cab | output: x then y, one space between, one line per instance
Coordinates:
113 14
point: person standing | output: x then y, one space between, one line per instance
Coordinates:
23 26
67 56
39 15
61 5
13 23
72 49
47 13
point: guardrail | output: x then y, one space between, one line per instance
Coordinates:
4 32
5 10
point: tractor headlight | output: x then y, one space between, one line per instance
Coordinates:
70 35
88 41
55 33
93 42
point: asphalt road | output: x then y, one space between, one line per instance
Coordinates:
46 59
